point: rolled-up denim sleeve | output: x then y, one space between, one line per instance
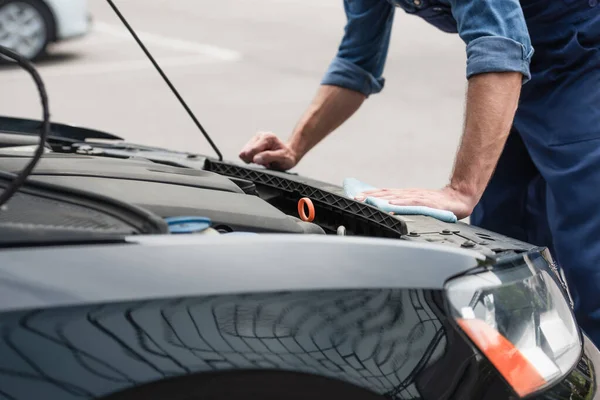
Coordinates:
362 53
496 35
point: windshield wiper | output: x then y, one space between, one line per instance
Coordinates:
165 78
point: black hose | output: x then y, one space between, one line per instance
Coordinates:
19 180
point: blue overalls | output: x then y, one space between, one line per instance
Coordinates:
543 189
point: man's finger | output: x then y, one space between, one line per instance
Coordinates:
386 197
371 193
379 194
408 202
272 156
255 147
245 153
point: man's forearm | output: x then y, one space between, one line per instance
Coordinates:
331 107
492 100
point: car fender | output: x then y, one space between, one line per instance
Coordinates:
71 17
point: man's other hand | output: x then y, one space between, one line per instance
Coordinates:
266 149
447 199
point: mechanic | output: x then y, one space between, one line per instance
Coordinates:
529 157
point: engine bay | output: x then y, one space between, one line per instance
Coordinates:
172 187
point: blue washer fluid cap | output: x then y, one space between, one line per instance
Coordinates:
188 224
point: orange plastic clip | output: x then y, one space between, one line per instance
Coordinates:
305 201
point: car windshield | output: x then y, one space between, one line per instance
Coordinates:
242 67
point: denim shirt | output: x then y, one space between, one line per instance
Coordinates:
494 31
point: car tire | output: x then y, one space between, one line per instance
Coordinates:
42 22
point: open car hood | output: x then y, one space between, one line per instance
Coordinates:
68 141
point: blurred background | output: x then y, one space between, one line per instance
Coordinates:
242 66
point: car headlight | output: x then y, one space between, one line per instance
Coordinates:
519 318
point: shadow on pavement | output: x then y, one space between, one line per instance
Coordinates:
46 60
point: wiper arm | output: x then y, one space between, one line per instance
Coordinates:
165 78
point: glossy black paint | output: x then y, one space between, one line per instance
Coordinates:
395 343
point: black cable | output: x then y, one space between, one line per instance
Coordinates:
45 132
164 76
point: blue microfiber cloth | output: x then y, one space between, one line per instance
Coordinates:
353 187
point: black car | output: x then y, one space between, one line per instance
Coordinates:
130 272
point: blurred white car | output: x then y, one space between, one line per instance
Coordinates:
29 26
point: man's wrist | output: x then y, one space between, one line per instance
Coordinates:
464 187
468 193
295 147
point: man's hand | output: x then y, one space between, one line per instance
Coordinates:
448 199
266 149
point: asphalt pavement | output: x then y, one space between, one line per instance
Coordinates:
249 66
